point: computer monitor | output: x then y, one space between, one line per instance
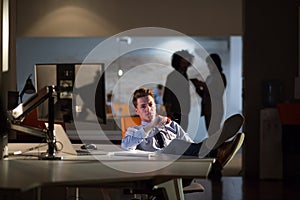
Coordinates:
81 89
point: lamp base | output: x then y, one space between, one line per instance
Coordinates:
49 157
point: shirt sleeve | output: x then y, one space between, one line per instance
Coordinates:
181 134
133 137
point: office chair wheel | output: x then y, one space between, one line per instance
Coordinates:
142 197
157 194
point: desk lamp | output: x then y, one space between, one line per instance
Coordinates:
18 113
28 88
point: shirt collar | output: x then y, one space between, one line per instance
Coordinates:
144 123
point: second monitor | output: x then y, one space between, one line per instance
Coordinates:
81 91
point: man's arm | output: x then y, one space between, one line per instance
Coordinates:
180 133
200 87
135 135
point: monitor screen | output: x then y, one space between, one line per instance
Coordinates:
80 91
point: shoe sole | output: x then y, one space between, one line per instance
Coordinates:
237 143
230 127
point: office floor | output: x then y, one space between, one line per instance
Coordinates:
233 187
229 188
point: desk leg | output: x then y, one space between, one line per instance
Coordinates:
38 193
173 189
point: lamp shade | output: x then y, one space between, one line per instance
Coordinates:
28 88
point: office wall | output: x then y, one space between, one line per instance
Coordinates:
270 51
1 96
8 79
100 18
91 18
1 49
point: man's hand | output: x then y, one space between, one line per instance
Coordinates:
160 121
157 122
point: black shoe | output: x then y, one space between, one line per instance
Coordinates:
230 127
228 149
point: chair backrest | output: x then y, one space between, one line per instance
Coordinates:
121 109
129 121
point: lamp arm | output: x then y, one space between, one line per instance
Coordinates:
22 94
29 130
24 108
34 101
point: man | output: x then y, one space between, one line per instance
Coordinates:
158 98
157 133
176 96
212 93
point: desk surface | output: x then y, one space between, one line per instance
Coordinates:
28 174
24 174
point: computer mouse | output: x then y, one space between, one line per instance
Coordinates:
89 146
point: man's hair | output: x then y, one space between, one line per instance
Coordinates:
178 55
141 92
215 59
160 86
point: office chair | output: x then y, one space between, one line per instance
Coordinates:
120 110
129 121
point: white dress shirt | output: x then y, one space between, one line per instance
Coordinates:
135 137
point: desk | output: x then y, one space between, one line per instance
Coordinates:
22 175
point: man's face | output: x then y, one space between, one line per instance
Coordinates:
146 108
184 64
211 67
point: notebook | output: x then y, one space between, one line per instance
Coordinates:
135 153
